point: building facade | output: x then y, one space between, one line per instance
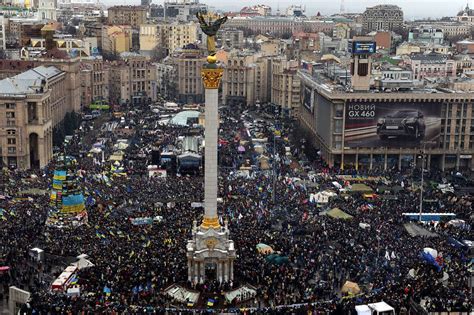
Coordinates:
230 38
382 18
183 10
466 16
431 65
116 39
132 80
247 79
188 63
2 33
350 129
127 15
427 35
31 105
167 36
94 80
278 26
286 86
166 78
47 10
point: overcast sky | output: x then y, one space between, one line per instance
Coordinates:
411 8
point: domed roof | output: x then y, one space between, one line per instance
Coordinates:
466 12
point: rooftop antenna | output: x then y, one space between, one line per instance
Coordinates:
343 9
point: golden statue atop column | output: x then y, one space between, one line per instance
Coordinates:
210 24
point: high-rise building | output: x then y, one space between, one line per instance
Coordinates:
382 17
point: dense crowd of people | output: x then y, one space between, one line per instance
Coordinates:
133 264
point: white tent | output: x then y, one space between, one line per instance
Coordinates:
431 251
83 264
381 307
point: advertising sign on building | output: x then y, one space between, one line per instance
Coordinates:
363 48
392 125
307 98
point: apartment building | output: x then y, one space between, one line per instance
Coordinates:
167 36
94 80
286 86
133 16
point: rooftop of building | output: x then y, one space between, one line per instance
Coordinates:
384 7
466 12
331 89
431 57
28 82
128 7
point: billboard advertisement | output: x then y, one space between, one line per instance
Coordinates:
393 125
359 48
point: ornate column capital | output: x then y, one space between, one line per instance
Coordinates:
212 77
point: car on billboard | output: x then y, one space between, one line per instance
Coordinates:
403 123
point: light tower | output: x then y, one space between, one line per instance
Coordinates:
210 252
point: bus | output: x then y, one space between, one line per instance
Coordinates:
99 104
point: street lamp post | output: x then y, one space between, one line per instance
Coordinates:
421 187
422 174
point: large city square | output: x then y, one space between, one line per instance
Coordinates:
256 162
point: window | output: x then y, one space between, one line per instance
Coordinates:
11 140
10 114
10 105
11 150
11 132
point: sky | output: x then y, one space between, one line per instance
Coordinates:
413 9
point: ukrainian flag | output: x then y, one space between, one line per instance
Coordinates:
60 175
73 203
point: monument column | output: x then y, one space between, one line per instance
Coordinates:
211 76
202 272
210 243
219 271
196 272
226 271
190 270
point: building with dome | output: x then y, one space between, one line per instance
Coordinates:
466 15
382 17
